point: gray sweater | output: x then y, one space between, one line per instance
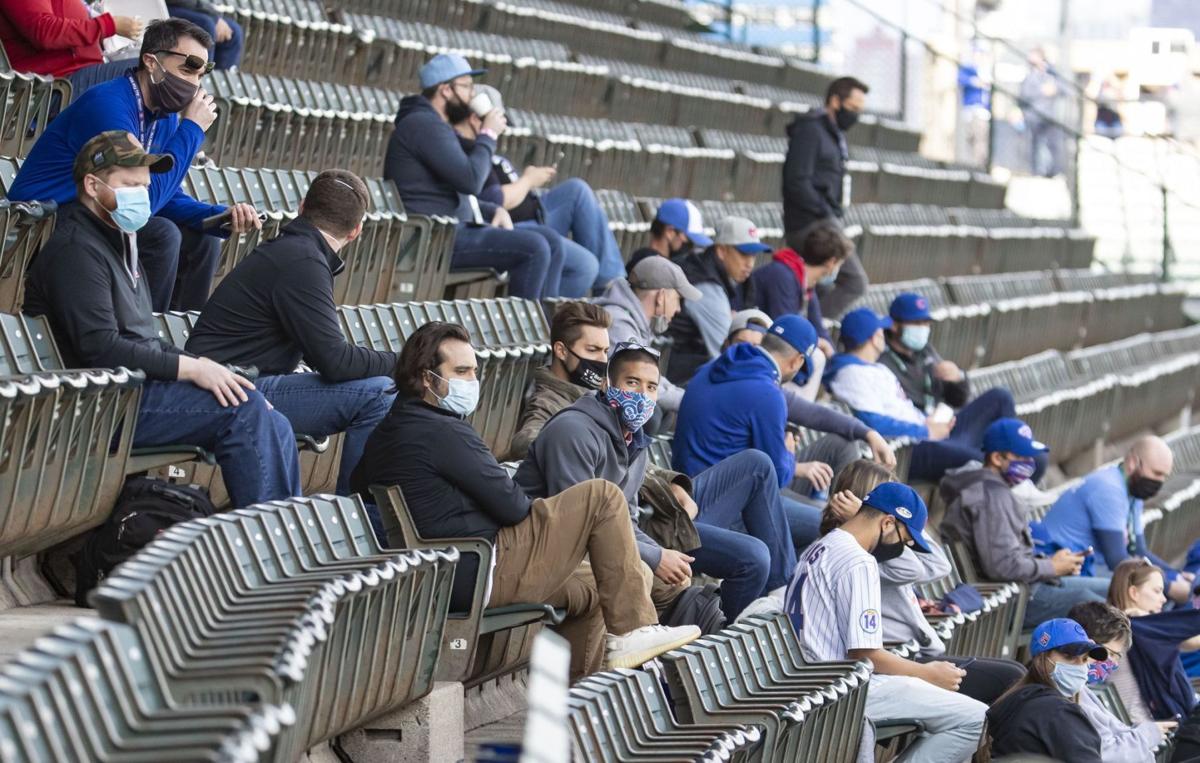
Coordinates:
585 441
903 619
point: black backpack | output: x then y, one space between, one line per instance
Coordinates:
144 509
700 606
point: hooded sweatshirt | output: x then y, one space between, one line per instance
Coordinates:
875 396
629 323
732 404
1120 742
1038 719
429 165
587 441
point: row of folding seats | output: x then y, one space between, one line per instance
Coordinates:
249 635
1172 518
26 102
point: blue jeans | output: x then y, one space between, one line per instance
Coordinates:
572 268
229 53
524 254
321 408
571 208
179 264
804 521
1047 602
931 459
254 445
744 537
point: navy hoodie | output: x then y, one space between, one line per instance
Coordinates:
733 403
1155 661
429 165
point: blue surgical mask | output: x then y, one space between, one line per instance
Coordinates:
133 207
635 408
1069 679
462 396
914 337
829 279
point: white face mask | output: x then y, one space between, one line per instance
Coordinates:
462 397
915 337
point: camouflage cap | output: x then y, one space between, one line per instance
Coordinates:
117 148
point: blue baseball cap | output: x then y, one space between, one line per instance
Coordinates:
858 326
685 216
909 307
903 503
444 67
1012 436
1065 635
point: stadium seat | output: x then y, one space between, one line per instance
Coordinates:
25 103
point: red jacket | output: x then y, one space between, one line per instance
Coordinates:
54 37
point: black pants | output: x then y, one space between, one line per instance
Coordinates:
1187 740
178 263
987 678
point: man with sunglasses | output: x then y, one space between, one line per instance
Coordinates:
163 104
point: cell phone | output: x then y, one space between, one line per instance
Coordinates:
943 414
965 665
223 220
792 429
558 159
1089 551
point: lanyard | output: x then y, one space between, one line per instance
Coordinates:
146 138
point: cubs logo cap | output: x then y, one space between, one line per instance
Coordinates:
1065 635
1012 436
903 503
909 306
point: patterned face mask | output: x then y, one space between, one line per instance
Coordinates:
1099 672
634 407
1019 470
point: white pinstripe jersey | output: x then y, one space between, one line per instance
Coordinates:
833 599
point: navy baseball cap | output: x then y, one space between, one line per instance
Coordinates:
444 67
903 503
858 326
685 216
909 307
1067 636
1012 436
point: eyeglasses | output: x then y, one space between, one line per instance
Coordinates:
194 64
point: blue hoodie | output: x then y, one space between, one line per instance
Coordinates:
733 403
48 171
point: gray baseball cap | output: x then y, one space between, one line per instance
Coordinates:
741 234
658 272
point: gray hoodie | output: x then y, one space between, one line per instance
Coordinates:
1119 742
586 441
903 619
629 323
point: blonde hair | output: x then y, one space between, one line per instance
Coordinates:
1131 573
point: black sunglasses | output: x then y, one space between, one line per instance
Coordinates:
191 63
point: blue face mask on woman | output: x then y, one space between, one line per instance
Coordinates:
133 207
1069 679
635 408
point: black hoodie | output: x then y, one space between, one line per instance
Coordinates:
1038 719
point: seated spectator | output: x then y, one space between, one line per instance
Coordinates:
983 513
861 381
677 228
226 50
721 273
600 436
455 488
986 679
834 602
641 308
735 403
164 106
57 38
87 282
788 284
1045 714
573 277
927 379
569 208
1104 512
1119 742
277 308
747 326
434 176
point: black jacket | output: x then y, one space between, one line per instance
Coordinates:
86 280
451 481
688 351
813 171
277 307
426 160
1037 719
915 373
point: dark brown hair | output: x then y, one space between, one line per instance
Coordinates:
164 34
842 87
570 317
1038 671
1132 572
824 241
859 477
1103 622
423 352
336 202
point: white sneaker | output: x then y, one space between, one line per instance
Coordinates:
1028 494
770 604
646 643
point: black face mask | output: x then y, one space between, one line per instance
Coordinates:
1144 488
171 94
845 118
588 373
885 552
457 111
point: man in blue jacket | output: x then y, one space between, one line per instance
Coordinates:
435 176
162 103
